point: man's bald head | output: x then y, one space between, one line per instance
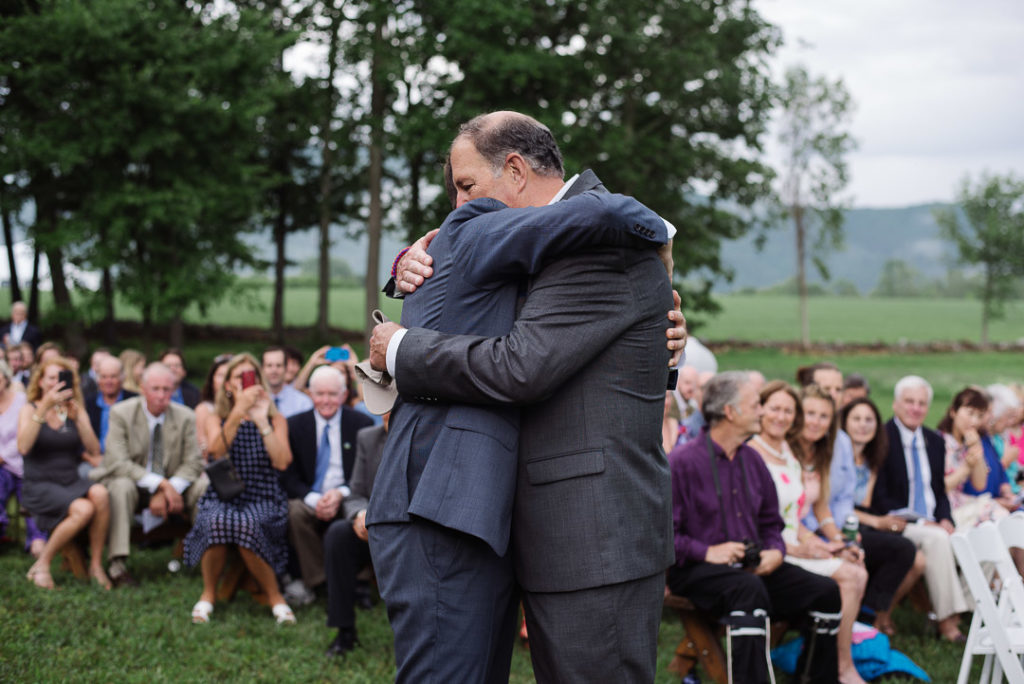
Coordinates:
498 134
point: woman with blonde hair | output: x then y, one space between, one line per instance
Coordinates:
133 362
53 433
246 428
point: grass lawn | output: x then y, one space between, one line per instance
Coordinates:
80 633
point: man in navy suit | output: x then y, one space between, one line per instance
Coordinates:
318 479
440 513
19 329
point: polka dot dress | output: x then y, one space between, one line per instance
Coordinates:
257 519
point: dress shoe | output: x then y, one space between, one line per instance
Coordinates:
125 579
363 597
344 642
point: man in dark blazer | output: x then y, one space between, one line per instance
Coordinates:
911 480
109 391
592 529
346 551
440 514
19 329
319 478
185 393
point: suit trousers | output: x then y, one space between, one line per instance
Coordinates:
940 575
345 555
888 558
451 601
126 501
600 634
789 593
306 536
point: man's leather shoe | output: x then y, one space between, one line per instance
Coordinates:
344 642
125 579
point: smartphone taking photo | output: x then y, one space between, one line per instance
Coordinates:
337 354
68 378
248 378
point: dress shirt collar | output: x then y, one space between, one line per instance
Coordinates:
564 189
152 420
334 421
907 435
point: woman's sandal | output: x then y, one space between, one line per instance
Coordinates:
283 614
201 612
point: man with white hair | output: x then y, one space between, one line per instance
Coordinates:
318 479
19 329
109 390
152 463
911 483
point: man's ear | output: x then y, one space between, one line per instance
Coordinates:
517 168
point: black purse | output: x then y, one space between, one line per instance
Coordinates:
224 479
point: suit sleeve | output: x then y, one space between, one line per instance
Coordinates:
937 456
191 458
499 246
359 498
117 458
555 336
291 481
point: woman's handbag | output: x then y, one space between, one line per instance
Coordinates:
224 479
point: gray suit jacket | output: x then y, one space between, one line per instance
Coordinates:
588 356
128 443
455 464
369 450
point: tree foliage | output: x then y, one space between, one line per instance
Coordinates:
815 114
991 237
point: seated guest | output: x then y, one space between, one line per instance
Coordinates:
288 400
184 392
687 395
894 565
19 329
1004 409
134 363
109 391
322 442
247 429
53 432
910 483
346 551
12 464
781 423
19 372
292 363
89 379
972 467
214 381
722 497
152 463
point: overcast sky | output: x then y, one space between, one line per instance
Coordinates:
939 87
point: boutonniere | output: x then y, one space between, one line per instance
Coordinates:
346 445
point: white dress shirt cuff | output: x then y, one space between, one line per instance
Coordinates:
345 491
391 357
150 481
670 228
312 499
180 484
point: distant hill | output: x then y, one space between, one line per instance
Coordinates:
871 237
305 244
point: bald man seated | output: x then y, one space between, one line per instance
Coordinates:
152 463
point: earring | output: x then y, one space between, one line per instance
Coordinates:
227 393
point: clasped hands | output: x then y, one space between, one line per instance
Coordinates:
327 506
728 553
166 500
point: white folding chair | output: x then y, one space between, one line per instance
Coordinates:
1011 529
994 631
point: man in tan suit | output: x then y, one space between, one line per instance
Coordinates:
152 463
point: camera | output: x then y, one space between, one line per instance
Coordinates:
337 354
751 554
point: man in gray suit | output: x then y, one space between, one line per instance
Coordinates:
152 462
592 529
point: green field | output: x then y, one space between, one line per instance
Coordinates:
858 319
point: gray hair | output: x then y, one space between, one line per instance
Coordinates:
720 391
1003 399
156 367
498 134
909 382
328 373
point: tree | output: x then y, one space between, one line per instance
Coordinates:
898 279
814 116
991 238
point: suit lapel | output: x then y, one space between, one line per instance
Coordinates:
310 447
348 440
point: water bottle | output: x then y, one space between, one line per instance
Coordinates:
851 526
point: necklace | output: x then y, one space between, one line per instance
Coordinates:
772 451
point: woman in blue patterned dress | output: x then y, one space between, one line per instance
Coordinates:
248 429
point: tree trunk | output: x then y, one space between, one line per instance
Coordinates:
176 332
801 275
280 231
986 307
377 102
9 241
107 285
62 304
33 286
327 160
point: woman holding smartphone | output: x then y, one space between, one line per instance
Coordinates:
246 428
53 433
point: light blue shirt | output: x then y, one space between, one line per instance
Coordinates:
290 401
842 483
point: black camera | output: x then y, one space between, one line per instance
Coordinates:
751 554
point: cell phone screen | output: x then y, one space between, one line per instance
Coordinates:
248 378
337 354
67 378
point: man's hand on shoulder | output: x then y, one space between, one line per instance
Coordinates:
677 334
379 341
415 265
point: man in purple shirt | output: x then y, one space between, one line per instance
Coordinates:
728 541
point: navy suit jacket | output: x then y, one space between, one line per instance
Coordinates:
892 488
94 411
31 334
455 464
300 475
